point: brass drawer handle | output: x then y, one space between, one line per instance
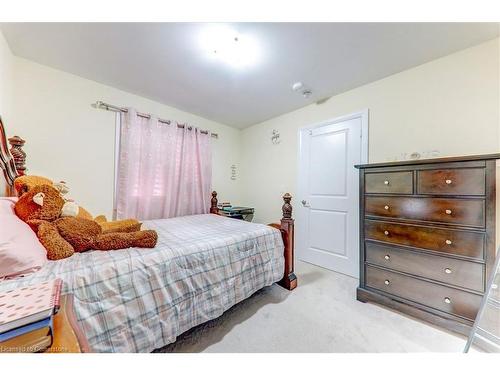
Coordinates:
386 232
447 299
387 282
448 212
447 270
386 208
386 182
387 257
448 242
448 182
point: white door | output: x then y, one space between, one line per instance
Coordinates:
328 192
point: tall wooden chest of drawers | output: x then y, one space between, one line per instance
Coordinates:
427 236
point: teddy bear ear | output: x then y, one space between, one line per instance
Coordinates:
38 198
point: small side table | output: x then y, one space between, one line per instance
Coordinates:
68 335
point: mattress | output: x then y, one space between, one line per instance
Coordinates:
136 300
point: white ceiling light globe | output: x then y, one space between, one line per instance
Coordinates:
297 86
222 43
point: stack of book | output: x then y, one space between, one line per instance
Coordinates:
26 317
242 213
224 206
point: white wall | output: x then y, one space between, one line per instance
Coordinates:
6 77
67 139
6 72
450 105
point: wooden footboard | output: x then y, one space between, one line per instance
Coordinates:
286 227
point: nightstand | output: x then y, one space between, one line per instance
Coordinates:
68 335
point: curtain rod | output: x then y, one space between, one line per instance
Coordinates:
110 107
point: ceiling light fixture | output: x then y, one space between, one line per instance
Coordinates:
297 86
222 43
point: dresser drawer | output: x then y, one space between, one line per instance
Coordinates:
439 297
466 181
389 182
447 270
449 241
469 212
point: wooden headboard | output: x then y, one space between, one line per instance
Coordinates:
12 161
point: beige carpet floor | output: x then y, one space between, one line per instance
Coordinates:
321 315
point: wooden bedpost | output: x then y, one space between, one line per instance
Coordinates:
12 162
289 280
213 205
18 154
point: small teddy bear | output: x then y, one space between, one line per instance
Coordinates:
44 209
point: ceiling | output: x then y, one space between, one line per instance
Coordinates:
164 61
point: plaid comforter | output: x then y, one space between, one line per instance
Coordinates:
136 300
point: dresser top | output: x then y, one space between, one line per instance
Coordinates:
453 159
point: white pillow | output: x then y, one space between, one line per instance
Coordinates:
20 251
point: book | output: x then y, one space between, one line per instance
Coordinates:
29 304
242 210
32 337
37 345
238 210
27 329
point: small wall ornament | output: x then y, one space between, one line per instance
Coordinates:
233 172
275 138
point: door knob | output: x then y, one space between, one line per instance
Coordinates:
304 203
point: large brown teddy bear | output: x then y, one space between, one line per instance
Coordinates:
41 207
23 184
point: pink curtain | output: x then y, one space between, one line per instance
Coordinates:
163 171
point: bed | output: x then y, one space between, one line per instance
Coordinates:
137 300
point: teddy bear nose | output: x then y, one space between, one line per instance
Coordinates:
38 198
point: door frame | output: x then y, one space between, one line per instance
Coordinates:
300 183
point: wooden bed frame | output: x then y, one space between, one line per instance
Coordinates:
287 229
12 162
13 165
